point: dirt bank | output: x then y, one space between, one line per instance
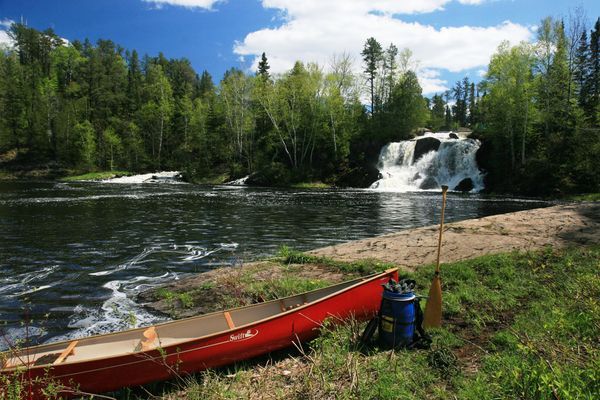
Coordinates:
559 226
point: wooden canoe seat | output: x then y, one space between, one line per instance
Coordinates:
66 352
230 323
147 342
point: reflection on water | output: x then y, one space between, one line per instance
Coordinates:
73 256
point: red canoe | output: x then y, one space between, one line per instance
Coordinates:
108 362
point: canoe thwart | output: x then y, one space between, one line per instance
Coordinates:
230 323
67 352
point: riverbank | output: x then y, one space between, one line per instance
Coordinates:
559 226
518 325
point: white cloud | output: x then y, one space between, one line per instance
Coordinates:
431 82
471 2
5 40
205 4
5 23
314 30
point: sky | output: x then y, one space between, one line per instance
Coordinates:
449 39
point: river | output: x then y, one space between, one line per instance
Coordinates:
73 256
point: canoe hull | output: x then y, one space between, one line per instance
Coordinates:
360 301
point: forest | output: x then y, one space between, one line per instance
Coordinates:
81 106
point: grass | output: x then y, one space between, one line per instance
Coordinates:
310 185
5 176
185 299
95 176
210 179
522 325
585 197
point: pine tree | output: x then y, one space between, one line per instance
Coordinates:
581 73
206 86
472 111
263 67
372 56
594 74
438 112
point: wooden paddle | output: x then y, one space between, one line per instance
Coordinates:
433 309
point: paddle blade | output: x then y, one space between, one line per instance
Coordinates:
433 309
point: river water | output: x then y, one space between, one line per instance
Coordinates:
74 256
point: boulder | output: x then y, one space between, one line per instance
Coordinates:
424 146
466 185
429 183
453 135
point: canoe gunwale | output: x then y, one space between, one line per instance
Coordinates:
145 355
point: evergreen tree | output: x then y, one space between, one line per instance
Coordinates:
438 113
472 110
594 74
263 67
582 73
372 56
206 86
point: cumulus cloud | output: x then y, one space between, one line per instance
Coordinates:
5 24
205 4
314 30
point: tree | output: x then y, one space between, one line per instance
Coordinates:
406 109
372 56
594 74
112 142
158 109
235 93
438 109
509 82
84 146
263 67
205 87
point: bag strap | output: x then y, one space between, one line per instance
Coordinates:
421 338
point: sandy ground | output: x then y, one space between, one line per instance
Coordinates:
558 226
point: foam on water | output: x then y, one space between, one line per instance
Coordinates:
156 177
118 312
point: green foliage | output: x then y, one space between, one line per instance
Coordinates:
538 115
95 176
98 107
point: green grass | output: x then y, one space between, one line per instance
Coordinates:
185 299
519 326
95 176
585 197
310 185
5 175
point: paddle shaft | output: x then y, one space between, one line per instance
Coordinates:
439 249
433 310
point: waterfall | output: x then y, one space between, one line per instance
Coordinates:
428 162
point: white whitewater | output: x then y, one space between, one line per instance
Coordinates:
453 162
156 177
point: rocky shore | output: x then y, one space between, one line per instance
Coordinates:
575 224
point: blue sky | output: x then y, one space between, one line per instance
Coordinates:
448 38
